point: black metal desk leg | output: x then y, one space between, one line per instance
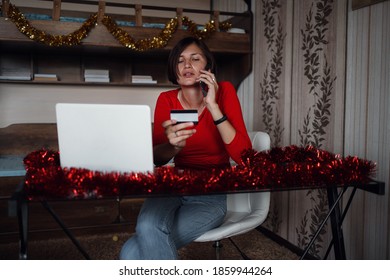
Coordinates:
335 219
65 229
22 212
332 207
344 213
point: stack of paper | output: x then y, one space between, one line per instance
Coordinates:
142 79
97 76
45 77
14 74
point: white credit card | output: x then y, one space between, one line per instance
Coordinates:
182 116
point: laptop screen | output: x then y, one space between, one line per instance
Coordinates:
105 137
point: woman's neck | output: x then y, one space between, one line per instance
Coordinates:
190 98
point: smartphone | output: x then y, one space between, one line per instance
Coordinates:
182 116
203 86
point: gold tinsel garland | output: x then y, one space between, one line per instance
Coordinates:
207 30
40 36
128 41
119 34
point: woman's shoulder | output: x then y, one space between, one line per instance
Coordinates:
226 85
226 89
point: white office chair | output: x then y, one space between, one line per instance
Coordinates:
245 211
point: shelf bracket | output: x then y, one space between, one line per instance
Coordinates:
101 11
179 15
138 15
56 10
216 20
5 7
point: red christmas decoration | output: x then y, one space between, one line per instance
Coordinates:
279 168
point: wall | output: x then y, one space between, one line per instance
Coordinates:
367 126
321 77
36 103
299 69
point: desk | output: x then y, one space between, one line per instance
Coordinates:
288 169
336 214
11 166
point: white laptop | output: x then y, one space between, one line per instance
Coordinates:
106 138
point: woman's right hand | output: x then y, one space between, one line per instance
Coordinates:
177 134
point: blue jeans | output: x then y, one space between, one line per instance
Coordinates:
166 224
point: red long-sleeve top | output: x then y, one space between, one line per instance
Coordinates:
205 149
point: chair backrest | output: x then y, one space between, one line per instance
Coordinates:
260 141
248 202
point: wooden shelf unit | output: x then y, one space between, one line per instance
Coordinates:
100 50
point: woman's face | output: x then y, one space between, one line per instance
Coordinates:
190 62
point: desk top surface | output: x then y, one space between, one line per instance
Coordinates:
11 166
16 141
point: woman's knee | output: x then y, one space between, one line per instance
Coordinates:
147 226
157 215
130 250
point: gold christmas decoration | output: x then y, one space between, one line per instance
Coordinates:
207 30
123 37
164 36
126 40
40 36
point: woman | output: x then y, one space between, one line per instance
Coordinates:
166 224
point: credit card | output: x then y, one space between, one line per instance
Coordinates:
182 116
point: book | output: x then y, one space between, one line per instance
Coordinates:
144 81
97 75
97 79
96 72
141 77
45 77
16 77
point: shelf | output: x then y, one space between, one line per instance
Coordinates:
100 50
69 65
32 82
224 42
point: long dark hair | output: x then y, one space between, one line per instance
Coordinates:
175 53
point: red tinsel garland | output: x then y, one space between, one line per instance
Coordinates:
288 167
